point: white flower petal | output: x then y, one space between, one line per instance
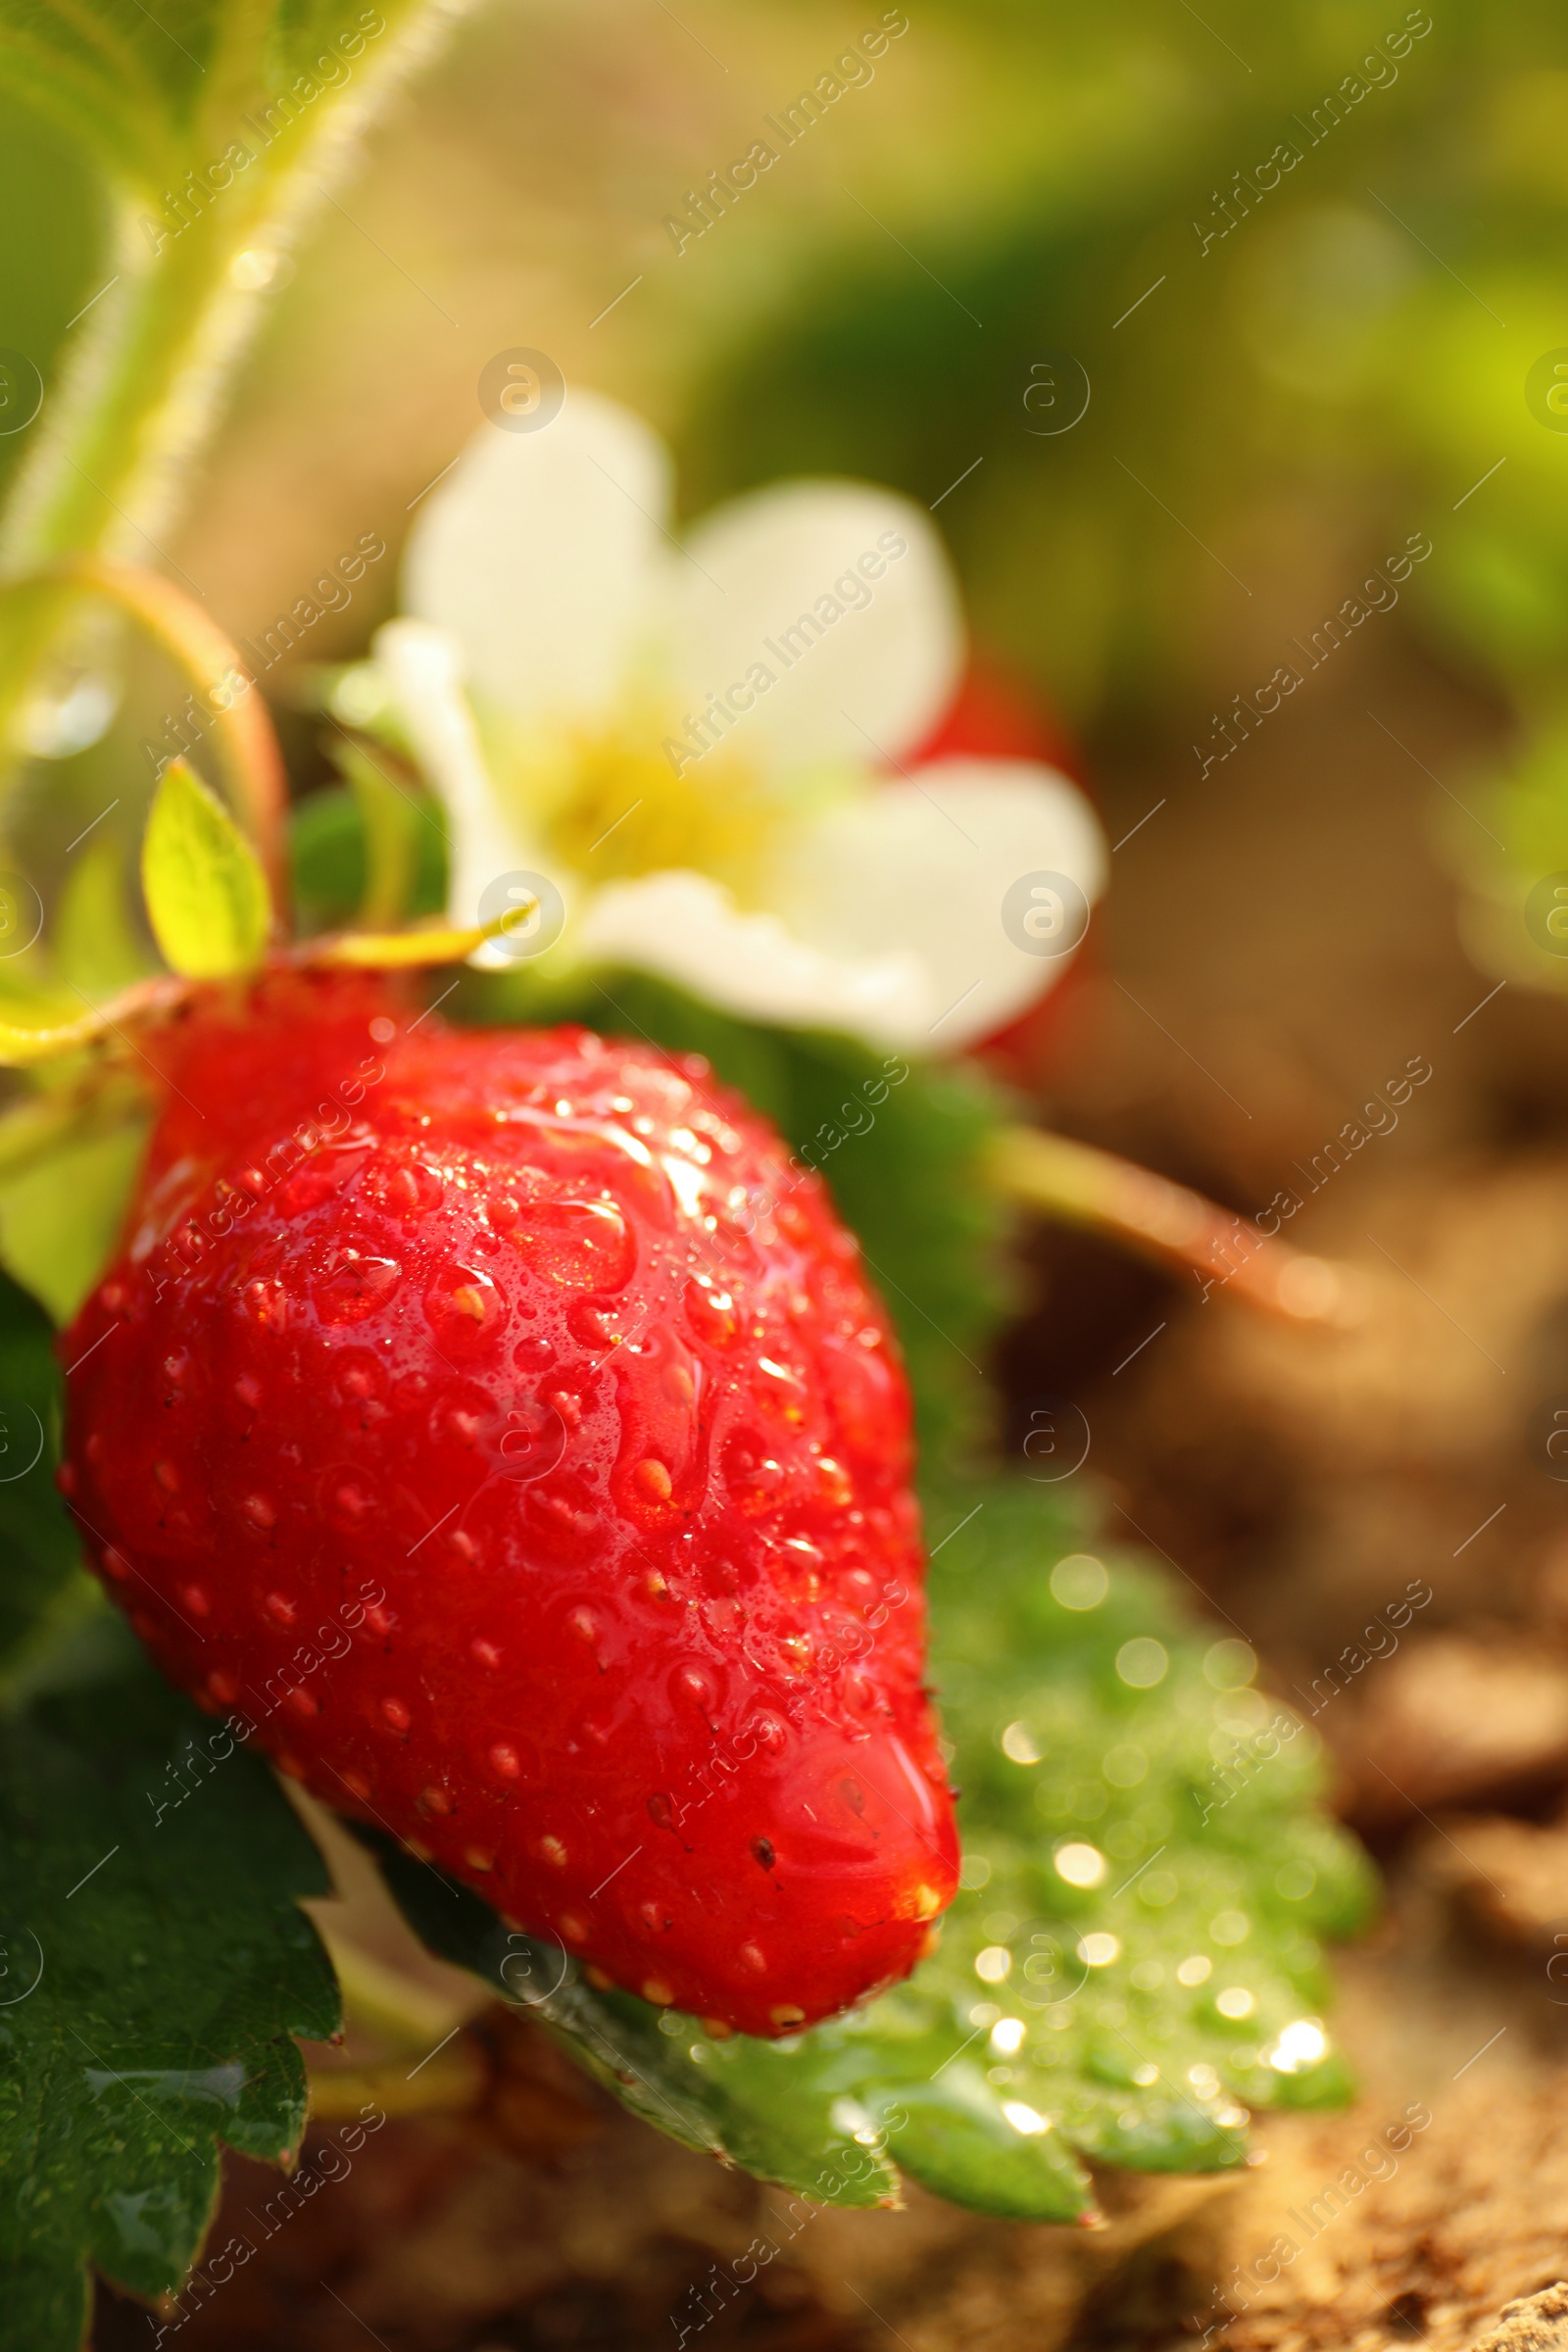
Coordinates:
542 553
923 866
862 665
424 669
688 929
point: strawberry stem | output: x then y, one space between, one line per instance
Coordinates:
244 742
1078 1185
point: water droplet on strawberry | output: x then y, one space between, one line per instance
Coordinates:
464 1309
267 1302
753 1475
833 1486
411 1190
533 1440
710 1312
579 1244
596 1324
697 1686
355 1288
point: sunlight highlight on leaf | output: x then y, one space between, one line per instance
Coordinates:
207 897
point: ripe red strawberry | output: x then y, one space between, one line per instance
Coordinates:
497 1423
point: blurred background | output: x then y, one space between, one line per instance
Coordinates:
1290 368
1194 330
1184 326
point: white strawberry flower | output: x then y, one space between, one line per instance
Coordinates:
704 742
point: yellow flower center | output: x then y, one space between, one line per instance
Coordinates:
619 808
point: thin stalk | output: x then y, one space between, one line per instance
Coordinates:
452 2083
115 446
244 741
142 398
1078 1185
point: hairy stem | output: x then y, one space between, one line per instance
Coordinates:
115 446
244 741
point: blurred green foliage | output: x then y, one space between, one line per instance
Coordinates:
1344 352
55 232
1310 260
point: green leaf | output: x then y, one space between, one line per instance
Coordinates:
135 89
61 1214
347 862
398 828
37 1541
932 1229
207 897
641 2054
91 944
1126 2008
157 1966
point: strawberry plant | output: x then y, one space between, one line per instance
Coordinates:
494 1400
1130 1964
